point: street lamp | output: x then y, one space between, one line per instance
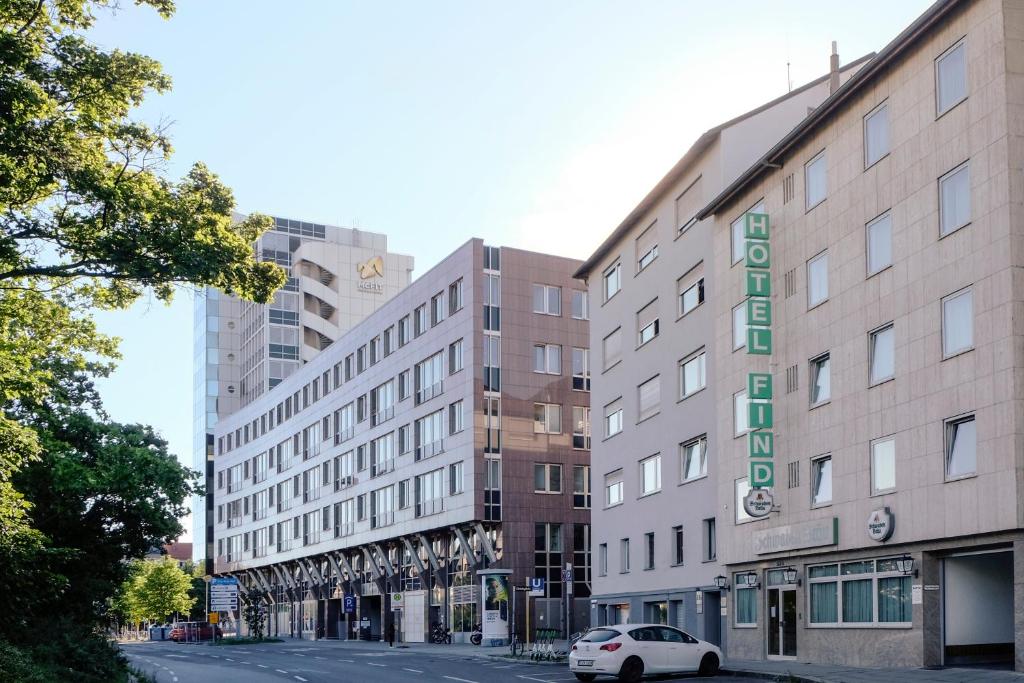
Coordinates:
722 583
789 574
906 565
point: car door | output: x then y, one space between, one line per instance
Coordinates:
648 646
682 651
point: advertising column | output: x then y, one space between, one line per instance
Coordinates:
495 591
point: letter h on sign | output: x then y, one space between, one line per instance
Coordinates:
755 226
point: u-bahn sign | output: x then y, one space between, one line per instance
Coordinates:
760 418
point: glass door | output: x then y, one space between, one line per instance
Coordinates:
781 622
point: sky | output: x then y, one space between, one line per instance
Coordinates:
536 125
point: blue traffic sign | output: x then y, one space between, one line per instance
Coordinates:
537 588
350 603
224 581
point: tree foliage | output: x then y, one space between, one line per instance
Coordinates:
254 611
158 590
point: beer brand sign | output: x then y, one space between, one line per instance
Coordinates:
757 262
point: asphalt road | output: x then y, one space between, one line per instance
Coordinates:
321 662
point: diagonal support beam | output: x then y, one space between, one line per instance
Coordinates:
373 565
485 543
314 586
415 555
388 569
431 557
466 547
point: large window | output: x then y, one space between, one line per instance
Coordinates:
612 348
429 493
648 398
693 457
821 481
547 299
382 507
382 454
882 347
739 240
961 447
492 362
613 418
581 427
650 475
547 418
581 487
883 465
547 553
547 359
879 237
692 373
580 369
613 488
821 380
429 377
492 302
957 322
817 279
612 281
382 403
876 134
950 78
861 593
955 199
429 435
580 305
746 602
815 181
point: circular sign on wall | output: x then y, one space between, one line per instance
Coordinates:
758 502
881 524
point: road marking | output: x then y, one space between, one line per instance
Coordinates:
298 655
262 666
280 671
415 671
531 678
350 661
229 659
299 678
461 680
245 662
320 658
178 656
375 664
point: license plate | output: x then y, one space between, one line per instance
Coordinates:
584 662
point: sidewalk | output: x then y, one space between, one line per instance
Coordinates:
821 673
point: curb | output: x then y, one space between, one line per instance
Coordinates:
787 677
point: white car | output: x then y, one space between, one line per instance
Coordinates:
631 651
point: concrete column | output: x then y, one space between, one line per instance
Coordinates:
930 609
1018 605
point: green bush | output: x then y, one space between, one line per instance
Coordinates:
73 657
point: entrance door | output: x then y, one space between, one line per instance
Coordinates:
713 617
781 622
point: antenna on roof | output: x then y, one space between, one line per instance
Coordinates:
789 79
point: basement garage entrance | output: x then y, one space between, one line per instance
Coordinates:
978 609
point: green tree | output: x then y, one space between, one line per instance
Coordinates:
162 590
254 611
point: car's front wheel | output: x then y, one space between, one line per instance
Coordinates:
586 678
709 665
632 670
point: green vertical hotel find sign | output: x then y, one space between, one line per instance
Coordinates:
760 418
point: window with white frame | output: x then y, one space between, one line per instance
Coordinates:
547 299
876 134
647 325
580 305
547 478
581 487
614 488
580 369
859 593
382 403
547 359
691 289
742 488
382 454
693 458
547 418
429 493
821 380
648 398
955 199
957 322
739 325
692 373
613 418
883 465
456 418
455 357
650 475
438 308
821 481
455 297
612 280
647 247
746 601
345 517
455 478
815 181
950 78
382 507
612 348
739 413
817 279
429 377
429 435
419 320
882 348
961 447
879 238
581 427
624 556
737 235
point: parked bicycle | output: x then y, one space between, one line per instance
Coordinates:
477 636
516 646
440 635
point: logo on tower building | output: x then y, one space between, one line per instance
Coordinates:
370 270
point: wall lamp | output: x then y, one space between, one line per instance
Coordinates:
906 565
750 579
722 583
790 575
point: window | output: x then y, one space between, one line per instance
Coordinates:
389 340
581 427
691 290
955 199
404 384
879 232
580 369
613 488
455 477
876 134
612 347
547 359
345 518
404 439
648 398
649 550
438 309
957 323
382 403
492 302
612 281
547 299
404 494
403 332
361 359
429 378
821 385
687 205
419 320
950 78
815 181
647 323
602 559
746 602
429 493
350 360
492 258
547 478
647 247
428 435
547 418
580 305
882 348
739 413
817 279
613 418
624 556
456 420
821 481
581 487
693 457
650 475
883 465
710 540
739 326
455 297
739 240
454 357
961 447
492 424
382 507
547 553
692 373
492 489
382 454
742 488
864 592
492 362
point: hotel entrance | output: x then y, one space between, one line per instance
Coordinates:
781 623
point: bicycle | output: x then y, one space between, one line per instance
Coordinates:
516 646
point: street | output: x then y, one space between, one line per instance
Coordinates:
314 662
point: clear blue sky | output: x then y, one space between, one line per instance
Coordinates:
530 124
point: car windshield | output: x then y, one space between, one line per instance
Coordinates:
600 635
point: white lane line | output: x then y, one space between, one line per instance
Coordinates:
229 659
320 658
299 678
350 661
280 671
531 678
375 664
415 671
262 666
461 680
